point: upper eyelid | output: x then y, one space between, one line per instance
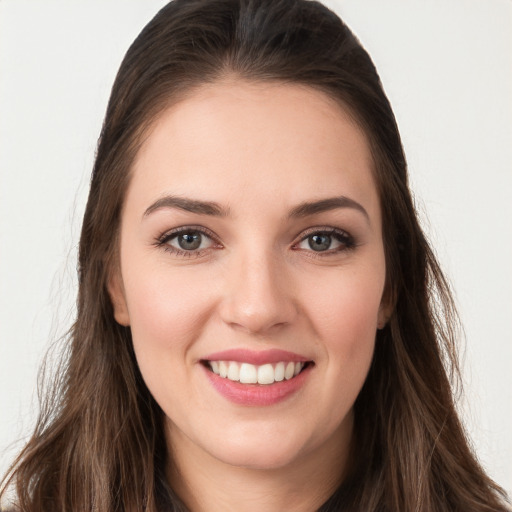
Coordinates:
181 229
303 233
322 229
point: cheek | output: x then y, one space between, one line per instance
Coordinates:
347 305
166 310
167 313
344 315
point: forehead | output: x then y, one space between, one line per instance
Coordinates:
236 139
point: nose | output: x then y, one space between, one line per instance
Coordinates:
259 294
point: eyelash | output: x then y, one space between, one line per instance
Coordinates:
346 240
163 241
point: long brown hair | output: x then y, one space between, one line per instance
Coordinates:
99 442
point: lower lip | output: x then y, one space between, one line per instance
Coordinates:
257 394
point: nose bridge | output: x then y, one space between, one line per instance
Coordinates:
259 294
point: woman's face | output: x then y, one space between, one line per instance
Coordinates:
252 272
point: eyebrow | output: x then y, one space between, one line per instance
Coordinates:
304 209
323 205
189 205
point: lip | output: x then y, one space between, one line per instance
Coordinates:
256 357
257 395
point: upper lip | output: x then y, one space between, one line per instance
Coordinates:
256 357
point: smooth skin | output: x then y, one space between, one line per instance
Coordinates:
254 276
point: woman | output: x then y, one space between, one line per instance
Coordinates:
260 319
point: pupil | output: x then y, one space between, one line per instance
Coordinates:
319 242
189 241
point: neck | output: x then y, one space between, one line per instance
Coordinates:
207 484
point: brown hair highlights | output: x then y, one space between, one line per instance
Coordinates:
99 442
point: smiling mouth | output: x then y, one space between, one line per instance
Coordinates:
264 374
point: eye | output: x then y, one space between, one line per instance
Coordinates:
186 241
326 240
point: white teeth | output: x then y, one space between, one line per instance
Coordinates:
248 373
223 369
233 371
251 374
290 369
265 374
279 372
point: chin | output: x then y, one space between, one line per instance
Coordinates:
259 452
258 459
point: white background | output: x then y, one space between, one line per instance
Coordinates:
446 66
